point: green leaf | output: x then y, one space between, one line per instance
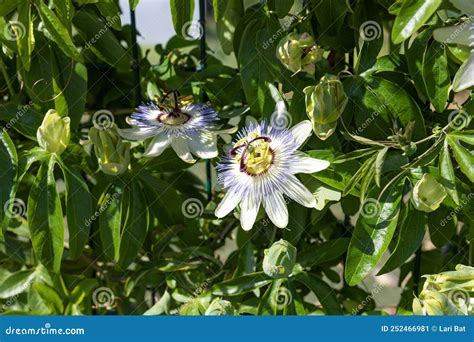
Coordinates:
327 251
241 285
16 283
106 46
464 157
45 217
135 227
227 24
409 240
70 87
282 7
373 232
258 64
415 54
324 292
57 32
442 224
78 210
276 298
8 172
413 15
65 11
182 12
7 6
436 75
379 161
246 262
160 307
111 12
24 33
83 290
50 297
376 102
446 171
133 4
111 211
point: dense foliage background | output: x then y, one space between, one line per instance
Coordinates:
132 235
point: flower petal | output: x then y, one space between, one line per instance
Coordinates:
228 203
466 7
298 192
301 131
181 147
309 165
137 133
157 146
464 78
248 211
204 145
276 209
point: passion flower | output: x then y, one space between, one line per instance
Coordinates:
325 102
54 133
279 259
185 126
428 194
112 153
260 168
298 52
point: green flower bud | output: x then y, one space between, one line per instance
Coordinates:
324 131
428 194
299 52
54 133
279 259
112 153
220 307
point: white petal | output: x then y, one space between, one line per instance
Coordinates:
138 133
298 192
464 78
309 165
181 147
157 146
467 7
302 131
248 211
276 209
204 146
228 203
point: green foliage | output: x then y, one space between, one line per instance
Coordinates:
95 227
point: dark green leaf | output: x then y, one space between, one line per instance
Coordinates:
182 12
373 232
45 217
324 292
446 171
241 285
16 283
436 76
327 251
412 15
8 172
409 240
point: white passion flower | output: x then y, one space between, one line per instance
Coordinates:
185 126
260 168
